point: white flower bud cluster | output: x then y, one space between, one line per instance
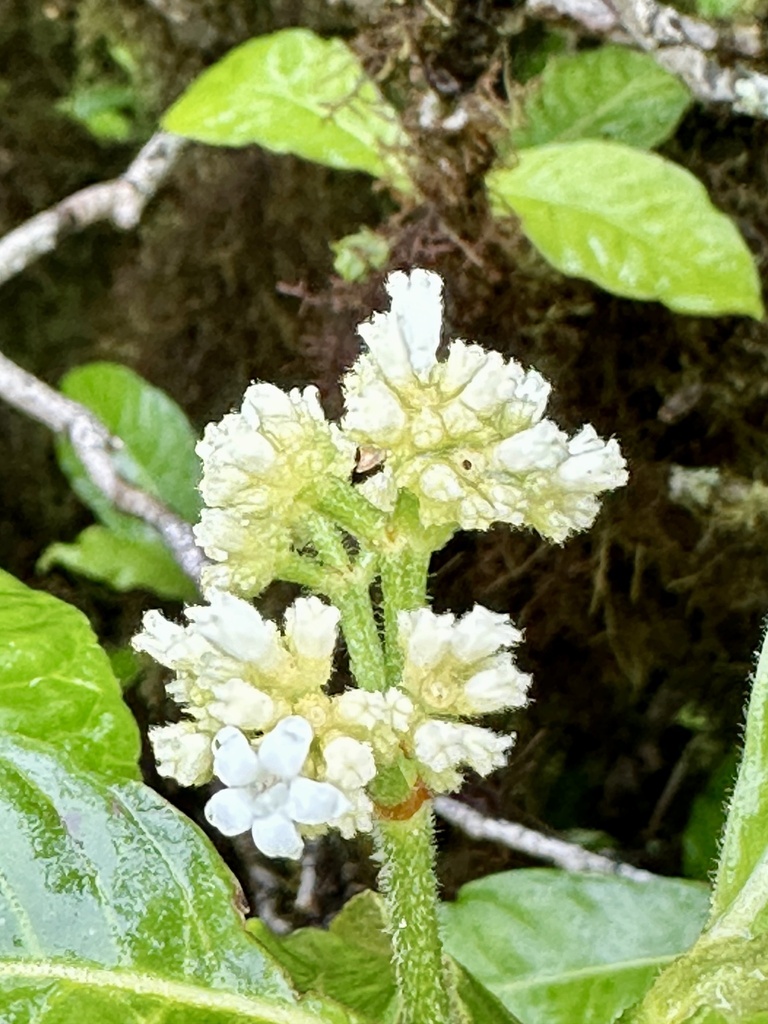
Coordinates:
257 464
462 441
296 761
466 435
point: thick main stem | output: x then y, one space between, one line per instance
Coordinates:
409 886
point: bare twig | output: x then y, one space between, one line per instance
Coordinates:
306 896
686 47
121 200
568 856
96 448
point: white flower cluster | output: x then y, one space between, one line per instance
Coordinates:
257 466
466 435
294 760
466 438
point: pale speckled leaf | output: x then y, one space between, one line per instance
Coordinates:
632 222
723 982
557 948
114 907
293 92
611 92
57 685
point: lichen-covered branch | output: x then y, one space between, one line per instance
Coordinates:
95 447
568 856
121 201
690 48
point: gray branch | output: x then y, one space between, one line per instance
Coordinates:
96 447
120 201
686 47
568 856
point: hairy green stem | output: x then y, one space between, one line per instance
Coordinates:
403 588
352 597
409 887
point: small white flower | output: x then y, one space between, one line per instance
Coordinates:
168 643
460 668
311 627
349 763
442 746
404 341
481 633
236 702
182 753
236 628
265 792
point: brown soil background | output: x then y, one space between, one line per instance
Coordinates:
640 634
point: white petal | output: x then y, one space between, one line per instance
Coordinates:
440 483
539 447
182 753
501 686
427 636
235 627
283 751
314 803
481 632
311 626
235 761
240 704
277 836
349 763
417 306
230 811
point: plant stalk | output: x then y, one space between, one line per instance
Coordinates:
409 887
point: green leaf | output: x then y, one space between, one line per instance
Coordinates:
705 824
125 563
159 443
741 885
293 92
716 983
57 685
352 963
611 92
558 948
632 222
115 907
356 256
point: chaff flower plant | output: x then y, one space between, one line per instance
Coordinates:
459 443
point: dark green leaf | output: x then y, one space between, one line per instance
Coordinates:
608 93
293 92
115 908
159 453
56 683
632 222
124 563
558 948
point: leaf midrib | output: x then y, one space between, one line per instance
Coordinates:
531 981
176 992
